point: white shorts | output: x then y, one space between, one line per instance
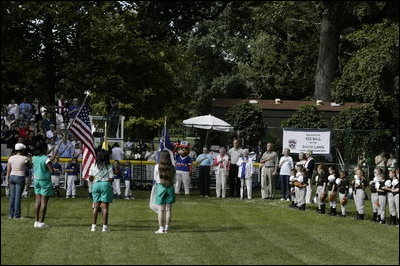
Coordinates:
55 179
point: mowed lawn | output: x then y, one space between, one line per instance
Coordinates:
203 231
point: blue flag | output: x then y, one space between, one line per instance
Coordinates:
165 143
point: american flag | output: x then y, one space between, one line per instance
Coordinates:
81 129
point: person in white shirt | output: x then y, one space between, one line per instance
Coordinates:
117 152
221 164
245 173
233 181
52 133
101 174
13 109
285 165
391 162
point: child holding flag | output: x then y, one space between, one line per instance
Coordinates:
164 175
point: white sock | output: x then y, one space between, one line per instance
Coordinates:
166 227
105 226
93 226
161 228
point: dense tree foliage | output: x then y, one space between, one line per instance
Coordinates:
170 58
307 116
247 119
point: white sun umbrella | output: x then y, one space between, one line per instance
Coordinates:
208 122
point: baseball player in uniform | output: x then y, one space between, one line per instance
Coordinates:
292 194
301 189
321 180
343 188
359 185
374 197
393 198
332 190
382 193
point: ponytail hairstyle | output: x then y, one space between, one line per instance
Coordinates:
166 169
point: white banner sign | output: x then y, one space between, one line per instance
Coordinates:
301 140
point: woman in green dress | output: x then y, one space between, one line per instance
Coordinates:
42 170
164 175
101 174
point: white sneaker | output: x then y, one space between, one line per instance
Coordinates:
73 197
43 225
105 229
160 231
36 224
93 229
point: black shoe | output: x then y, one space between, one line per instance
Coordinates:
374 217
361 216
382 222
323 207
333 211
395 220
343 215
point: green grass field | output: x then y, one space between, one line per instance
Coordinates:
203 231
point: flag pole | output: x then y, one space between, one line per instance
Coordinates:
80 109
165 130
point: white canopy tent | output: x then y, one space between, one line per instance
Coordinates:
208 122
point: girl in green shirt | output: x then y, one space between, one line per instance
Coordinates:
42 169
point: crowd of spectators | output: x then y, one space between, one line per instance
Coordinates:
30 121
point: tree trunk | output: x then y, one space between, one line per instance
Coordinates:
49 59
328 53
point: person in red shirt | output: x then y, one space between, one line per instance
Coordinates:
24 131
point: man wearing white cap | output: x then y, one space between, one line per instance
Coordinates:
16 167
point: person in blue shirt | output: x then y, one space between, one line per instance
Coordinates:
127 175
72 171
55 176
117 179
66 149
205 161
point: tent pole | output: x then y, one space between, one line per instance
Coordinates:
207 137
